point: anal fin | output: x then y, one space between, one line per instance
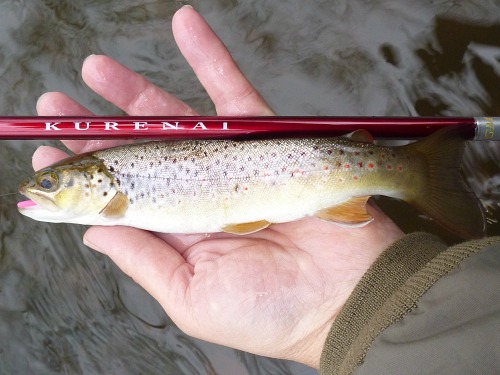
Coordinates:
116 207
351 212
246 228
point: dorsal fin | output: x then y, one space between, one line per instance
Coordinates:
360 135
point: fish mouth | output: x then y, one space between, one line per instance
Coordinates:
23 205
36 201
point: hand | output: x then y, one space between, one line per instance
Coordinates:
275 292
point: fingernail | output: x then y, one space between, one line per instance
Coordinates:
90 244
187 6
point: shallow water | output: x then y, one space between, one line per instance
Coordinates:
65 309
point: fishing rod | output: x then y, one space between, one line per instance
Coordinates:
176 127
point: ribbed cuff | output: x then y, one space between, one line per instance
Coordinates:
364 315
389 289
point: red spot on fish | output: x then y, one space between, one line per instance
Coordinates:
245 188
360 164
371 165
355 177
382 156
400 168
389 167
347 166
325 167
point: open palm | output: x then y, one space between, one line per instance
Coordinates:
274 292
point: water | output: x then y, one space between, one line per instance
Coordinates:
65 309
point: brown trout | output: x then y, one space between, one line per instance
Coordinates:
242 186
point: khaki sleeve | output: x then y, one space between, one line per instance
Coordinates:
404 298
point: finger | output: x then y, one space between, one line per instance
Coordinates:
153 264
45 156
129 90
59 104
230 91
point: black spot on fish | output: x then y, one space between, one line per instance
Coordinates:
116 162
132 165
105 193
111 169
132 186
99 170
99 180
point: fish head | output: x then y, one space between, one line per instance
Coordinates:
72 190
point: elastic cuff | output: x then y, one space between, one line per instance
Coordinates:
367 312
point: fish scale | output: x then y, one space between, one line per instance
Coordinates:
199 186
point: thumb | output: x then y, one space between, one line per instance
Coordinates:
147 259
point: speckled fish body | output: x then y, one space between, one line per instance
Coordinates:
201 186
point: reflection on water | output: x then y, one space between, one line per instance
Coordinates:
64 309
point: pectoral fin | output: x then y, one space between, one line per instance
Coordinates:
351 212
116 207
246 228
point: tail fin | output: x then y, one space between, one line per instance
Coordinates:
447 197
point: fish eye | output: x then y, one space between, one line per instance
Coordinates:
48 181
